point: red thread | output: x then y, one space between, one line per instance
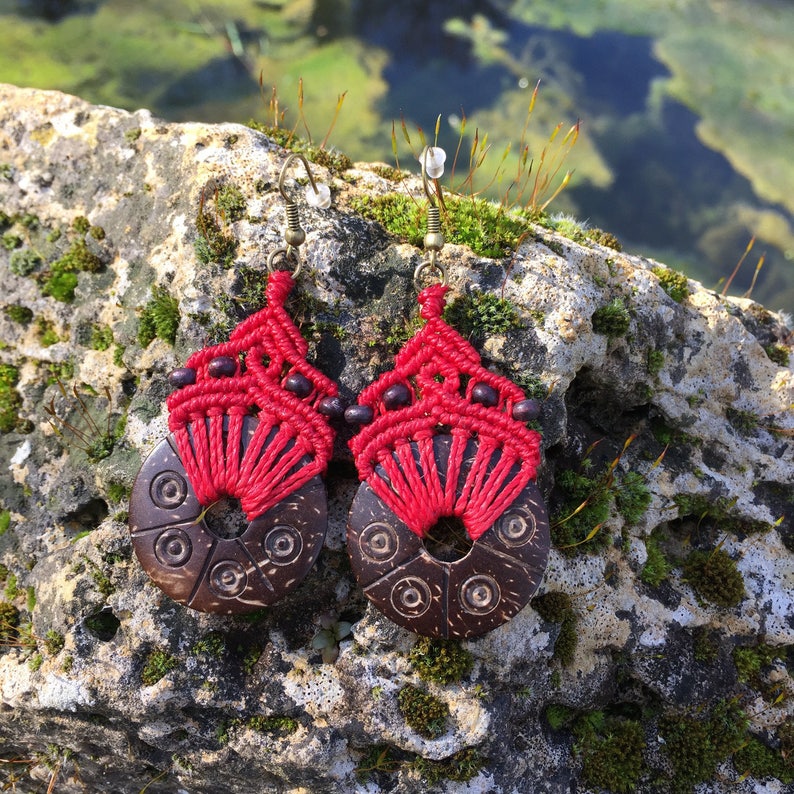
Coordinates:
292 442
440 369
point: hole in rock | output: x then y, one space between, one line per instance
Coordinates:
225 519
103 624
448 540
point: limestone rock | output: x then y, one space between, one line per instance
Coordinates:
671 415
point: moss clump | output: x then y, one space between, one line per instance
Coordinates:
757 760
604 238
46 332
159 318
18 313
81 224
481 315
656 568
377 758
158 664
779 354
718 512
705 644
484 227
54 642
573 527
442 661
274 724
11 241
715 577
675 284
9 621
612 320
10 401
212 644
556 607
745 422
25 261
460 767
654 362
632 497
696 745
101 337
5 523
424 712
611 751
213 244
230 203
750 661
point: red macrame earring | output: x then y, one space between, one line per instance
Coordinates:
443 438
249 422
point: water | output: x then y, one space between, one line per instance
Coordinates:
656 172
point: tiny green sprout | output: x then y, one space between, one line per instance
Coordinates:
442 661
612 320
332 632
159 319
423 712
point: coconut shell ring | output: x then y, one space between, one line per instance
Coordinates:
202 557
466 597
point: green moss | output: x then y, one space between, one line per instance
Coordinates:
9 622
377 758
101 337
745 422
335 161
654 362
424 712
11 241
750 661
675 284
158 664
81 224
705 643
779 354
604 238
11 589
25 261
460 767
612 320
484 227
117 492
572 530
10 401
45 329
481 315
757 760
442 661
53 642
556 607
159 318
719 513
60 285
695 745
611 749
97 232
103 624
656 568
230 203
558 716
274 724
30 600
18 313
5 522
715 577
632 497
212 644
35 662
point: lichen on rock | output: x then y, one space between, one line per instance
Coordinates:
666 415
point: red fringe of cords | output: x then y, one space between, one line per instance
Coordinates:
206 418
441 369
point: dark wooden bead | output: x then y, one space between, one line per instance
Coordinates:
332 407
526 410
182 376
485 394
396 396
359 415
222 367
298 384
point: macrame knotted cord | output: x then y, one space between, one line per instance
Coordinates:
441 369
207 417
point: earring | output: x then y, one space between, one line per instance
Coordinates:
444 439
249 424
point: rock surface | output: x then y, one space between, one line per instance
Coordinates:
669 420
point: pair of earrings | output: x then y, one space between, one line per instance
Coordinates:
440 438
